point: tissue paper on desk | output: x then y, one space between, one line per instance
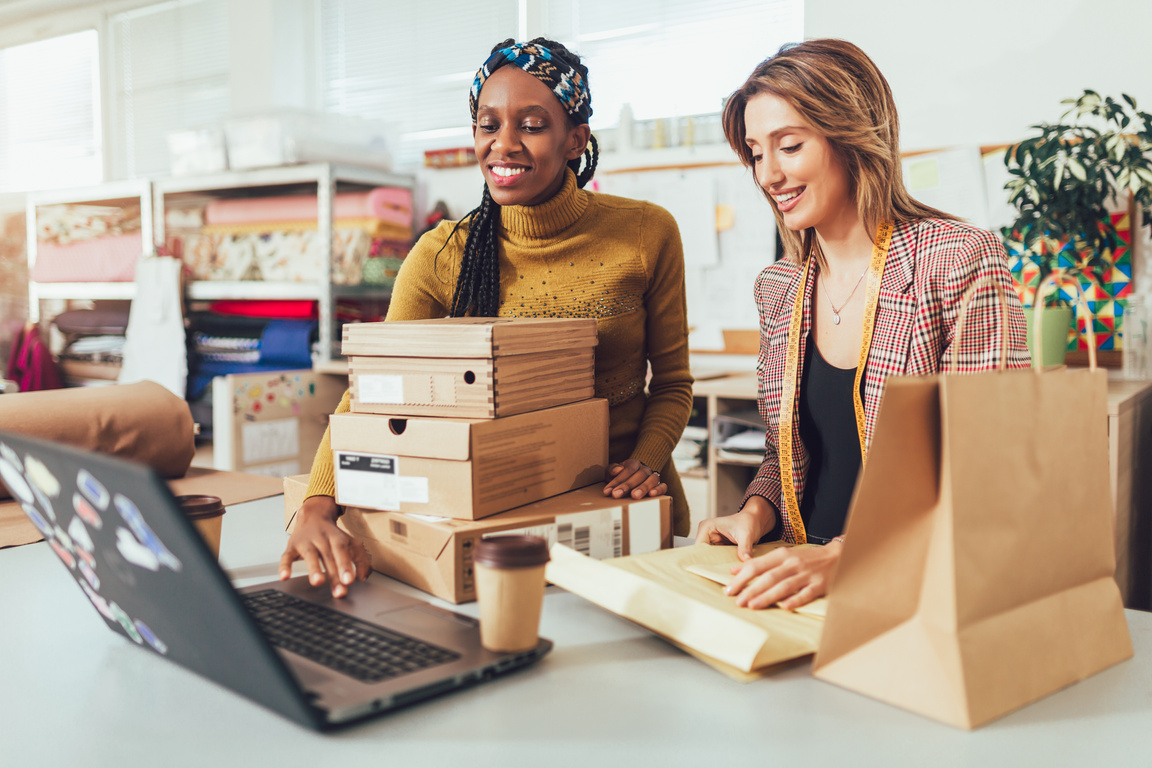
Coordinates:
655 591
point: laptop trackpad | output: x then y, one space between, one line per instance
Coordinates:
435 625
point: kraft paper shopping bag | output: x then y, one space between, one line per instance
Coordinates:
977 574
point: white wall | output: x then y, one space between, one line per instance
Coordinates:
982 71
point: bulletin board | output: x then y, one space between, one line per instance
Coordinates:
271 423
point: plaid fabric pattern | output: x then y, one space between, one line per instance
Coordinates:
930 264
565 82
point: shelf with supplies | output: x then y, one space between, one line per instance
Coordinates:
176 196
1130 454
80 264
53 244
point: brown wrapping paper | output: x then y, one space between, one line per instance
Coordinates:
143 421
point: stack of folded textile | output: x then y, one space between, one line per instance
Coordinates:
275 238
94 345
87 243
245 337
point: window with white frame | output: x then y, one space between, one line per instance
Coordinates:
170 67
50 133
413 64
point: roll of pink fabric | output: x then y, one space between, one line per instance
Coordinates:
389 204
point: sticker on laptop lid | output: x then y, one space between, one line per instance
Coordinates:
87 557
11 456
64 539
14 479
150 638
86 511
124 620
44 502
135 552
88 574
93 489
98 601
131 514
62 553
41 476
38 519
79 534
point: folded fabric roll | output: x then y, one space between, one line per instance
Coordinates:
109 259
142 421
388 203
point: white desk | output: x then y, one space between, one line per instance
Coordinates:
73 693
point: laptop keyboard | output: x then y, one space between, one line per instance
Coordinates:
339 641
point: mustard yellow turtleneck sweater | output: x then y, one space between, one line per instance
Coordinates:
580 254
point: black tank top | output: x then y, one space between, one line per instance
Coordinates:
828 429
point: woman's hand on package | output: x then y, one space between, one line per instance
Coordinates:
330 553
789 576
632 478
743 528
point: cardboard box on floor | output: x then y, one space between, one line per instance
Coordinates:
435 553
467 468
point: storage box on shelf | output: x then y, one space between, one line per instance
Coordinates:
176 198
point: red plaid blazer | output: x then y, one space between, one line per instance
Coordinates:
930 264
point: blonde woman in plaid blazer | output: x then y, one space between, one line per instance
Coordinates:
817 125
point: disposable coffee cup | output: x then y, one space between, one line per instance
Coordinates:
510 590
207 513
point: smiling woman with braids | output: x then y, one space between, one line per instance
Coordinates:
540 245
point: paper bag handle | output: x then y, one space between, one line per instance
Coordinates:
964 302
1053 280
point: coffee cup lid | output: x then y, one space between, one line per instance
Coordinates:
515 551
201 507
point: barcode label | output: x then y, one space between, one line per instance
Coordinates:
582 540
598 534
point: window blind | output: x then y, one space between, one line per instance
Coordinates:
171 71
669 58
50 113
410 64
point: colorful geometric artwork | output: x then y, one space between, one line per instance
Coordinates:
1106 299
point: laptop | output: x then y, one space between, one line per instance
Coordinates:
317 660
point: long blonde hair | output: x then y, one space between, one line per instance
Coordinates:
841 93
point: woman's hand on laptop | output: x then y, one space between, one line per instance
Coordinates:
330 553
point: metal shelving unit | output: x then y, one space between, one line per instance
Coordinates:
326 178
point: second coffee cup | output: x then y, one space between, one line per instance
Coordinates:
510 590
207 514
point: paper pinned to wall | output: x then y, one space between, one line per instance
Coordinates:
1001 213
689 197
265 441
951 180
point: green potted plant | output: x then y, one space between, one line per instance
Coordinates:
1062 181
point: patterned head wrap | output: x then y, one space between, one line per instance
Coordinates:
566 84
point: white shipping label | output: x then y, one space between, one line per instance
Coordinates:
380 389
265 441
414 490
597 534
367 480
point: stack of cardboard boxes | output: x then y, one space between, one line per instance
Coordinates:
465 427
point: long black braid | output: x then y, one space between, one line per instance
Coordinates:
478 285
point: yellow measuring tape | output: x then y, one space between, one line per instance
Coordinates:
792 364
